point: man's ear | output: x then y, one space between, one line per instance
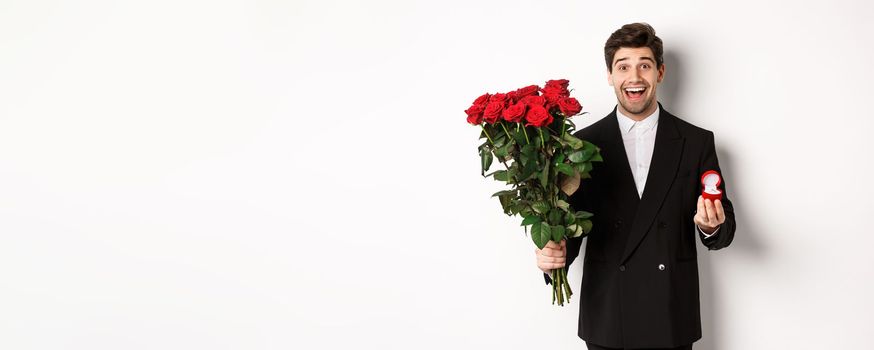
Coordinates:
610 77
661 73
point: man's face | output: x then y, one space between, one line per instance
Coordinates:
634 79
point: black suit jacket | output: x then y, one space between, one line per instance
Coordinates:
640 273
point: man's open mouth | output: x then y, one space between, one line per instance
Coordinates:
634 93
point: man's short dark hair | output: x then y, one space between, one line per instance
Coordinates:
633 35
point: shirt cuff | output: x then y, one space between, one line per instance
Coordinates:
705 233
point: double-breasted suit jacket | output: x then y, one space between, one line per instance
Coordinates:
640 270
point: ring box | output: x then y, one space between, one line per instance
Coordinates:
711 180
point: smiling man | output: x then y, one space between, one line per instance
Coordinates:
640 270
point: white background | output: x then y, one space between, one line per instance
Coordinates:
299 175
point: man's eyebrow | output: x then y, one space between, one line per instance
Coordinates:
642 58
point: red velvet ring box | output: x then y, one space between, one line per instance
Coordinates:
711 180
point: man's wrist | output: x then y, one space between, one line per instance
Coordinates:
712 232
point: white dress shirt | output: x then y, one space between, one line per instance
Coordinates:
639 140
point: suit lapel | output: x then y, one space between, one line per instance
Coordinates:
617 159
662 171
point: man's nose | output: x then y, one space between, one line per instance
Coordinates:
635 75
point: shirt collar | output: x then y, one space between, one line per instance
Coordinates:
626 123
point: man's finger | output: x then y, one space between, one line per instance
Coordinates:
700 213
554 260
720 212
553 252
711 213
707 211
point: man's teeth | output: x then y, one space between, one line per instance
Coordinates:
635 89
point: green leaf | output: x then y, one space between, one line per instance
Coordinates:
528 171
596 158
569 218
565 169
562 204
540 207
586 225
559 159
580 156
531 220
486 158
501 152
505 203
557 233
529 150
504 193
583 168
500 141
583 214
519 137
554 216
501 175
544 175
540 234
574 142
575 231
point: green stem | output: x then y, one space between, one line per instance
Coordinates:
560 294
563 119
542 143
506 132
487 134
553 286
525 131
556 282
493 145
567 285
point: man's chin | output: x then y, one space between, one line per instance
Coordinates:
635 108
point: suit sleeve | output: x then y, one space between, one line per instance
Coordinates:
726 231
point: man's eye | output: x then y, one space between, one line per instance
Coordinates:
644 66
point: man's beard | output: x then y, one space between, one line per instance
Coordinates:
646 104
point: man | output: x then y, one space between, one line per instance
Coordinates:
640 274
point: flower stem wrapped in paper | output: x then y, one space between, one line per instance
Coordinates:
529 132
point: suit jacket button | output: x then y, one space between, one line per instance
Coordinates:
662 267
618 223
621 267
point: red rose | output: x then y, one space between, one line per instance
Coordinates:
553 95
513 96
569 106
554 90
537 116
560 83
482 100
514 113
474 114
493 111
532 101
500 98
531 90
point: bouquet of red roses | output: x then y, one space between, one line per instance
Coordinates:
529 132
